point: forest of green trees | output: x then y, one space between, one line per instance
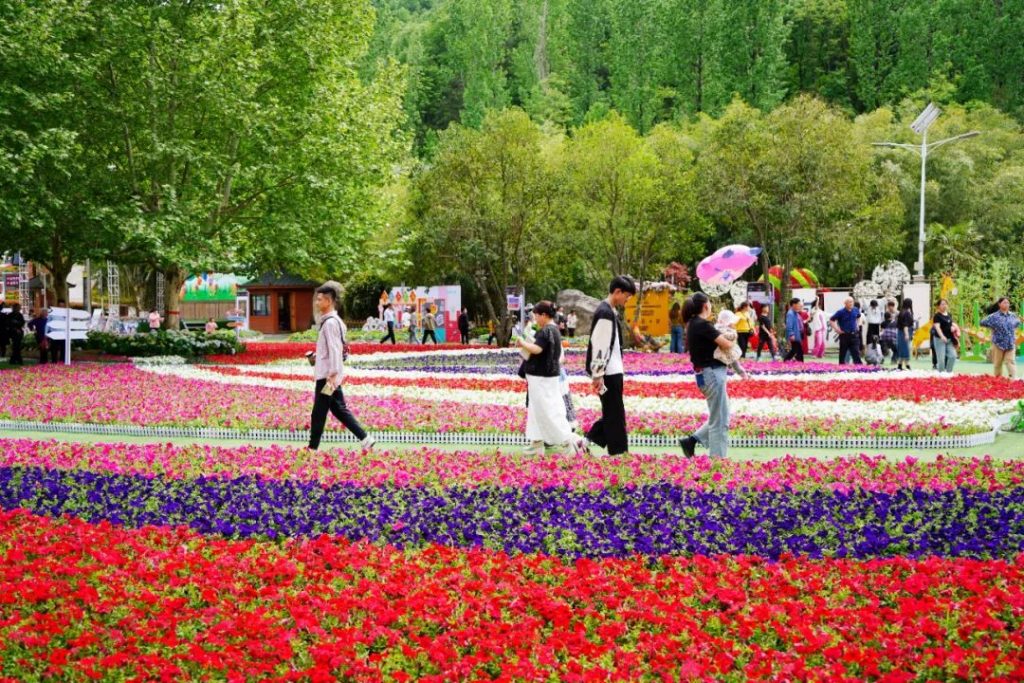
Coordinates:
570 61
546 143
654 131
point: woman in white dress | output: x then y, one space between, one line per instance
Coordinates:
545 412
819 328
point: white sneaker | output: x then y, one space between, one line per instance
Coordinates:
535 448
368 443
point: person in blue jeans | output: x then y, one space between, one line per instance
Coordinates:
675 321
943 338
702 340
795 331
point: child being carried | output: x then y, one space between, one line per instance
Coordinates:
727 326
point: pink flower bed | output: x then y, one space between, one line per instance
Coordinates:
432 467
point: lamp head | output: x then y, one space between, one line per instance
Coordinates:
925 118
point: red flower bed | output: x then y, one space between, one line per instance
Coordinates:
81 601
257 353
965 388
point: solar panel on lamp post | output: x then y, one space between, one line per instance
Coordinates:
920 126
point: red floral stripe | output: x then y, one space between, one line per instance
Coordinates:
84 601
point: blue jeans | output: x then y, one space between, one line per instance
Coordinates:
715 432
676 343
945 354
902 347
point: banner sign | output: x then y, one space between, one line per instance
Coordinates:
9 285
653 312
210 287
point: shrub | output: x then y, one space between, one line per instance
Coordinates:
303 336
1017 421
166 343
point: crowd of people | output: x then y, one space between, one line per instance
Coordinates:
716 344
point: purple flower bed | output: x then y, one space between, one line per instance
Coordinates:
652 520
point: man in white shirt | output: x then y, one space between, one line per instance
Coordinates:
604 365
328 371
389 320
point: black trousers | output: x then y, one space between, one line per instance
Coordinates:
764 341
491 338
610 431
16 358
743 339
57 351
335 403
429 333
874 329
796 351
390 335
849 342
572 332
463 337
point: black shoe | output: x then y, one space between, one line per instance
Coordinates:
689 446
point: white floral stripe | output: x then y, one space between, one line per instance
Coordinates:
299 369
980 413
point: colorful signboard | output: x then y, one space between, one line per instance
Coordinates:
445 300
9 283
210 287
653 311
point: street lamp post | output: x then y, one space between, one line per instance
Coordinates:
920 126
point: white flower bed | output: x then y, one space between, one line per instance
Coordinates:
976 413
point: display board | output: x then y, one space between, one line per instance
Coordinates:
210 287
653 311
445 300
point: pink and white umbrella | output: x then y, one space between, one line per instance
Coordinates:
727 264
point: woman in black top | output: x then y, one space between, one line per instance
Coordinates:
943 338
904 330
545 410
765 334
702 339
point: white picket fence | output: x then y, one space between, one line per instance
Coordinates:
880 443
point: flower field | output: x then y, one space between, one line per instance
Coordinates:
156 561
473 392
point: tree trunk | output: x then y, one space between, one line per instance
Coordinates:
59 267
497 314
173 279
540 52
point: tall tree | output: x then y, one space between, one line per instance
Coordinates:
487 203
242 135
789 179
630 202
56 203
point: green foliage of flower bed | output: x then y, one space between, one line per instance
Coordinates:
1017 422
166 343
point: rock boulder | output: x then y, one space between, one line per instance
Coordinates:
584 305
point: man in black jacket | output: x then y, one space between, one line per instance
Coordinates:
464 326
16 327
5 330
604 365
